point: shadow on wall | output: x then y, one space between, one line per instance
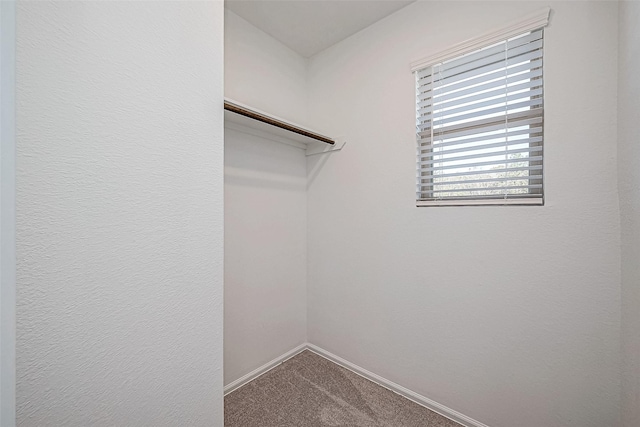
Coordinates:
252 161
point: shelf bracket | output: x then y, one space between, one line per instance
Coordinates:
316 149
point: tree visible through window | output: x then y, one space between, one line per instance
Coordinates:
480 126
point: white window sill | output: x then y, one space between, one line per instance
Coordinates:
487 202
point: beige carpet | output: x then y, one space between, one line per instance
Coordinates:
309 390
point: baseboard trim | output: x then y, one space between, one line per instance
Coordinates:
383 382
263 369
396 388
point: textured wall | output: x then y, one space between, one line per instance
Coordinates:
119 213
7 215
510 315
265 205
265 305
629 181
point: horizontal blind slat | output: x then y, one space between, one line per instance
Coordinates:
501 46
442 80
481 104
427 185
490 90
499 74
486 112
488 131
530 149
446 70
533 173
454 131
481 197
473 57
529 79
421 174
510 44
428 151
464 190
480 164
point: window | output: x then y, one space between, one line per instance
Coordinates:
479 119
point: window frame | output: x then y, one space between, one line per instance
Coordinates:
530 23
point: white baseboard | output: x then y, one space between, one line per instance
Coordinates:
396 388
390 385
263 369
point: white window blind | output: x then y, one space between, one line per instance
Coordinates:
480 126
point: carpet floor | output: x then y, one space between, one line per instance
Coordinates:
311 391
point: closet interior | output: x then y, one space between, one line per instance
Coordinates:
460 309
265 236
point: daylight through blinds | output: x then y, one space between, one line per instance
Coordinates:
480 125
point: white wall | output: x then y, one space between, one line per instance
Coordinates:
262 72
7 215
629 181
119 213
510 315
265 251
265 205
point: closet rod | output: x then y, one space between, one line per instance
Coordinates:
229 106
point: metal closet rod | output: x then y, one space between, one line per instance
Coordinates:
275 122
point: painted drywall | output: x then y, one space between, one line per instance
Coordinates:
262 72
509 315
309 27
629 182
265 205
265 251
119 213
7 215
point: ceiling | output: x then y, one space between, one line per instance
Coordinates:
310 26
